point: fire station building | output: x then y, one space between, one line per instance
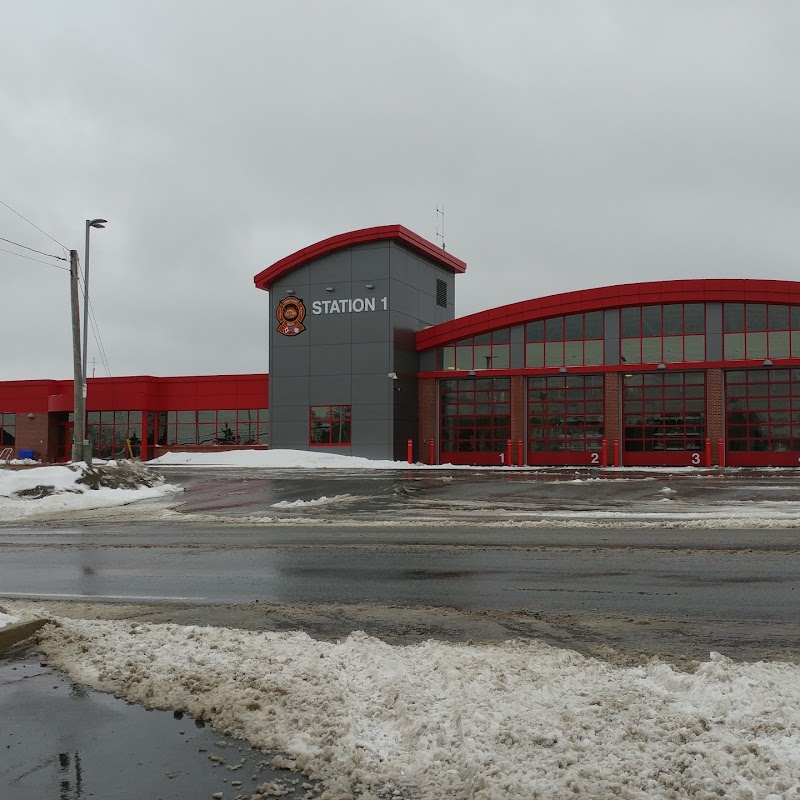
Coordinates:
366 354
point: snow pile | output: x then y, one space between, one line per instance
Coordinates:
513 720
7 619
278 459
46 491
319 501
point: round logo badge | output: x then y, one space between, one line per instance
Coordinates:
290 314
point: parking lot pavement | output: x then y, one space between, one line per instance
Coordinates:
61 740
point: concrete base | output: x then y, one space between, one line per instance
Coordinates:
13 634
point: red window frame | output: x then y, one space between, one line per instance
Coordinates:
212 427
8 429
497 342
330 426
109 430
555 331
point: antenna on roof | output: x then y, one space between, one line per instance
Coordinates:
440 211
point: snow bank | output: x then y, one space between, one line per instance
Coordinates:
514 721
44 491
319 501
7 619
278 459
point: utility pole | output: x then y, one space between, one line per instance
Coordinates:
78 431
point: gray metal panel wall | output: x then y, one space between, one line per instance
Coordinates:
713 331
611 351
517 339
414 307
346 356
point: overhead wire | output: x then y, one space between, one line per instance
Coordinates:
95 326
52 238
25 247
37 260
100 345
92 319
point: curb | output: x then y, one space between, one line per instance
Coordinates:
13 634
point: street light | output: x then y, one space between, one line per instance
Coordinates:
90 223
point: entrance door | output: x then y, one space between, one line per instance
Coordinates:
663 418
64 428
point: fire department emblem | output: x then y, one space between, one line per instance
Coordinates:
290 314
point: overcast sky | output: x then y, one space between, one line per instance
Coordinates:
572 144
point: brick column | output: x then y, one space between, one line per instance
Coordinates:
427 419
715 409
612 403
517 389
32 434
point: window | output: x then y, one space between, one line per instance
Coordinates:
230 428
759 331
330 425
110 431
574 340
487 351
8 435
475 415
441 293
565 412
669 333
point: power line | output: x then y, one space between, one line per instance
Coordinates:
25 247
101 346
35 226
37 260
95 327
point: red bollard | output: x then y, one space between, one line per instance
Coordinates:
410 450
708 453
431 453
520 460
509 461
604 453
616 453
721 453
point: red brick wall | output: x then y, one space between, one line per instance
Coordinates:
427 419
715 403
517 387
33 434
611 416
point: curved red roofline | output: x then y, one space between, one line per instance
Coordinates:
736 290
267 277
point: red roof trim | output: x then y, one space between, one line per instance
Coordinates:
267 277
714 290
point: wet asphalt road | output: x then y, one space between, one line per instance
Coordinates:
466 496
704 573
726 575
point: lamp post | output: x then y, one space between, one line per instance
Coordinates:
90 223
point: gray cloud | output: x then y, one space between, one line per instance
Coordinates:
572 144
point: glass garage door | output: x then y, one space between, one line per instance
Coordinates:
565 419
474 421
762 417
663 418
